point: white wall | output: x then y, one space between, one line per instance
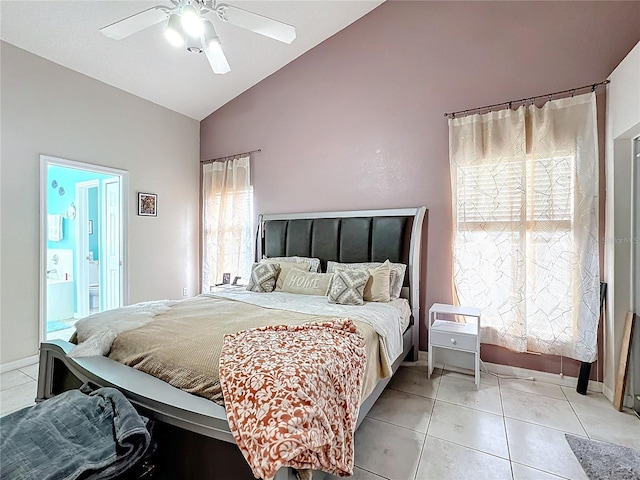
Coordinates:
623 124
49 109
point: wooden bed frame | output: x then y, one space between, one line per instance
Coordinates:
190 430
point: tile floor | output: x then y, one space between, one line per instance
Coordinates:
443 428
18 389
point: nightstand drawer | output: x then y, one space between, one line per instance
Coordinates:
449 339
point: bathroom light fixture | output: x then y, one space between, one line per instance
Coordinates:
188 23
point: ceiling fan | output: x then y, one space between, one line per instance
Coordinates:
189 24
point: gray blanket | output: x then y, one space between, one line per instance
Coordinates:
73 435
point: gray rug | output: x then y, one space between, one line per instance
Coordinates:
605 461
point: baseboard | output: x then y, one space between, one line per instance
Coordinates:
16 364
628 399
553 378
510 371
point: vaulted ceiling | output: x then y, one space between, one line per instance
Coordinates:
144 64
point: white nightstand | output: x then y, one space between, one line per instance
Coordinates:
462 337
225 287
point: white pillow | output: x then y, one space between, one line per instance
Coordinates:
314 262
307 283
285 267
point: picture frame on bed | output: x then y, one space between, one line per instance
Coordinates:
147 204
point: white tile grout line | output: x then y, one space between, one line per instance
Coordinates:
33 401
511 462
466 406
20 385
538 470
404 428
372 473
399 426
491 413
577 416
19 368
535 393
547 426
424 441
435 399
504 425
29 379
396 389
541 425
35 378
471 448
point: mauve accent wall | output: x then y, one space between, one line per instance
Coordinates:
357 122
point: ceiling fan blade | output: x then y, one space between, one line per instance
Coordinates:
217 59
256 23
135 23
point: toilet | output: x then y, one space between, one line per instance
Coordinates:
94 285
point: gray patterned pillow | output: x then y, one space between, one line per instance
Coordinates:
263 277
347 287
313 262
397 273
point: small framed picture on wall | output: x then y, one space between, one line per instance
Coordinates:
147 204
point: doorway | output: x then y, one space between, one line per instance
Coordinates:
82 243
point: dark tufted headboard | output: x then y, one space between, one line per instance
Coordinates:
346 240
348 237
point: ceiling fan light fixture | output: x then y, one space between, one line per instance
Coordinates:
213 50
173 32
188 26
256 23
210 37
191 21
217 59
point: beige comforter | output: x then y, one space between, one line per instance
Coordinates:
182 346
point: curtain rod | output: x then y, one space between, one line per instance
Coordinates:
229 157
522 101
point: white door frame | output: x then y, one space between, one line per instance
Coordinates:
45 161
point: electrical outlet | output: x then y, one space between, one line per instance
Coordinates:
184 292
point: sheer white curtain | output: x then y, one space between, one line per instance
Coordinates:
227 220
525 226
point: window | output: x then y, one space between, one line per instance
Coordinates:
525 225
227 221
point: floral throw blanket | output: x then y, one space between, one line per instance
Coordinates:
292 395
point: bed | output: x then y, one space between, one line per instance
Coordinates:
193 434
